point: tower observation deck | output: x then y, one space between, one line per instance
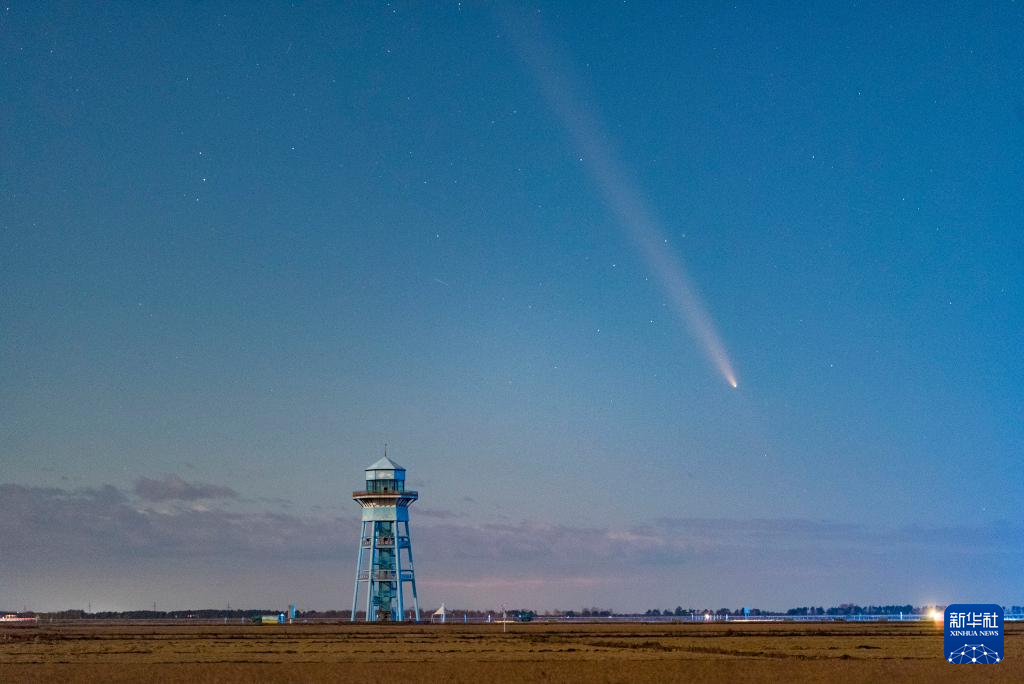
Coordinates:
384 563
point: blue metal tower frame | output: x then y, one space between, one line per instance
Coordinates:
383 538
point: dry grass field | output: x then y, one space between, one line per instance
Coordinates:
774 652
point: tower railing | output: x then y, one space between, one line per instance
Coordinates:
365 494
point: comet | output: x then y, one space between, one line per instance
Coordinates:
620 192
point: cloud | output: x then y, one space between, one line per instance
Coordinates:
107 518
173 488
86 536
439 513
48 523
704 562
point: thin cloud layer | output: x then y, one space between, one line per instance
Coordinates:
85 533
173 488
52 522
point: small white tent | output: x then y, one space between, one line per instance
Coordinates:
440 615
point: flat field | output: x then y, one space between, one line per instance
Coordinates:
749 652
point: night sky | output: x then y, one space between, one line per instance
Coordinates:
528 247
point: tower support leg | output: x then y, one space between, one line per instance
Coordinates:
396 538
359 567
370 581
412 574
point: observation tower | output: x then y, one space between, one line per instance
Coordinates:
381 568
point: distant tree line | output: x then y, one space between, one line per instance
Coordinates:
521 614
851 609
840 610
201 614
589 612
679 611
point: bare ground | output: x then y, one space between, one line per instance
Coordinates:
757 652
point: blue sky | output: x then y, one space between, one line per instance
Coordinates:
241 249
